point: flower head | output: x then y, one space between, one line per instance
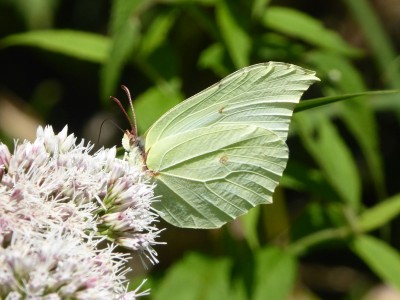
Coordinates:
54 191
59 265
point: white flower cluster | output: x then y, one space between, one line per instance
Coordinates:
58 202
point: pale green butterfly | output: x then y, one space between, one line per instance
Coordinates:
222 151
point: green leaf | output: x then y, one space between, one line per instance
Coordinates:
233 33
357 114
125 37
379 40
333 156
313 103
380 257
300 25
276 46
157 33
213 58
195 277
249 222
275 274
37 14
78 44
316 217
122 11
303 178
157 100
238 290
275 220
203 2
259 7
379 214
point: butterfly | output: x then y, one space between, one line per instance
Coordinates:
222 151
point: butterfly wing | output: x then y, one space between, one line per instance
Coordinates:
223 151
263 95
209 176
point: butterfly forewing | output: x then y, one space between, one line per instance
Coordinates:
263 95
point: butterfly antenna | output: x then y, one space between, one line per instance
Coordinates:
125 113
101 128
128 93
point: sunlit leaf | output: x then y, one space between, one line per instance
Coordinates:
341 78
78 44
249 222
157 33
126 35
195 277
317 216
259 7
157 100
204 2
234 35
275 274
313 103
380 257
380 214
378 39
300 25
300 177
213 58
333 156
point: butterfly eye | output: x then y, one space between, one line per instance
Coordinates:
132 141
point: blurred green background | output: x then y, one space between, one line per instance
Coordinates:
333 230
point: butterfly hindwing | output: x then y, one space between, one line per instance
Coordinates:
208 176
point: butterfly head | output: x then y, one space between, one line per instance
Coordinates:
131 141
